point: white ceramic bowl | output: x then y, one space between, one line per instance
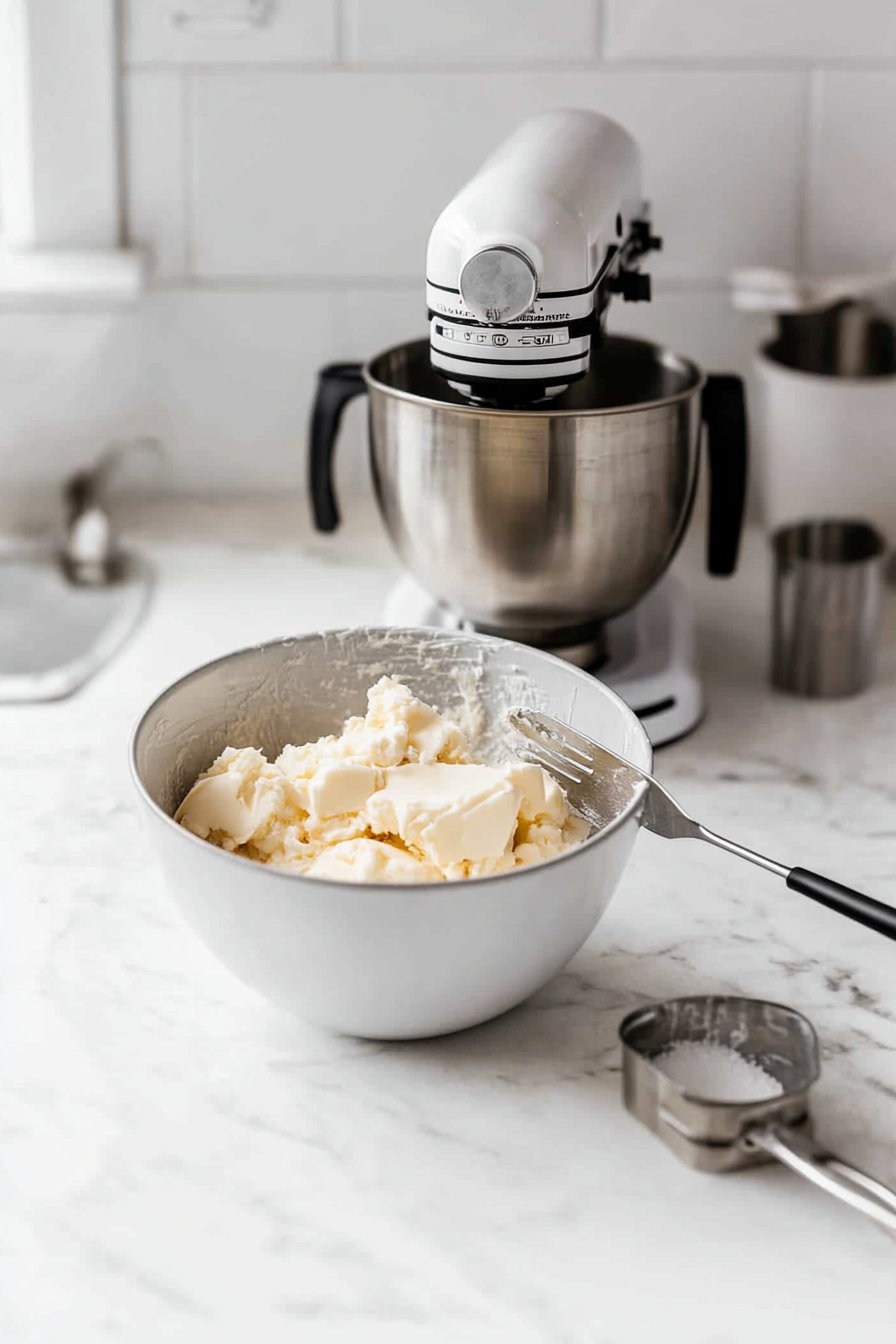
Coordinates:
389 962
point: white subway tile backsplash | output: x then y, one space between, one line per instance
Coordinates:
850 218
371 320
231 381
229 32
72 382
155 171
344 174
470 32
224 380
703 326
797 30
700 324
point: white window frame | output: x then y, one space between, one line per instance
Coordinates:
60 160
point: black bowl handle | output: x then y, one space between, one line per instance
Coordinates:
725 416
337 384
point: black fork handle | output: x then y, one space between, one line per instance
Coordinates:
853 904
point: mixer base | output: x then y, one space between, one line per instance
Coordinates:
652 653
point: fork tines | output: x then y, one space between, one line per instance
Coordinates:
553 745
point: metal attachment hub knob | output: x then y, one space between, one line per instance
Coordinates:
498 284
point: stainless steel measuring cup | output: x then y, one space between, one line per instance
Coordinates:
829 577
718 1136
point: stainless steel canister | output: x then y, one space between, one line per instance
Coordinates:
829 577
824 407
541 523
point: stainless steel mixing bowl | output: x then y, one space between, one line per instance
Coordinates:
380 961
541 523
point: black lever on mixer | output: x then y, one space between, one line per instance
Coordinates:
337 385
725 416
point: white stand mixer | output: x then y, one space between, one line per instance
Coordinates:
535 474
572 267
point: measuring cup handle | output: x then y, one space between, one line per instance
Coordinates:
804 1156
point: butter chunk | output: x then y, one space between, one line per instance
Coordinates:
398 727
394 798
367 860
241 797
432 738
542 795
341 788
451 813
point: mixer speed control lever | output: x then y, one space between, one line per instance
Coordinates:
633 286
643 239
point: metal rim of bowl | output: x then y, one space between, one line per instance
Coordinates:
490 878
663 353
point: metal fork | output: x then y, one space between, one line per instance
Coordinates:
586 767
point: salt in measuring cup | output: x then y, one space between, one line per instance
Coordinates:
717 1135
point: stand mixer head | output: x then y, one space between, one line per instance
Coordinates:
522 263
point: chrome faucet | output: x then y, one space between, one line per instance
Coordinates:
91 554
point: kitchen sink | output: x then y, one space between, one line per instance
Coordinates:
55 633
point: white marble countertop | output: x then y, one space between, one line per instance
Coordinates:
181 1162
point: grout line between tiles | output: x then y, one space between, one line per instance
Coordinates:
808 150
186 189
122 155
347 284
660 65
340 26
600 29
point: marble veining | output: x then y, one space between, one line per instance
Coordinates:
180 1162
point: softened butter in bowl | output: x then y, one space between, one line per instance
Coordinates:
396 959
397 796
